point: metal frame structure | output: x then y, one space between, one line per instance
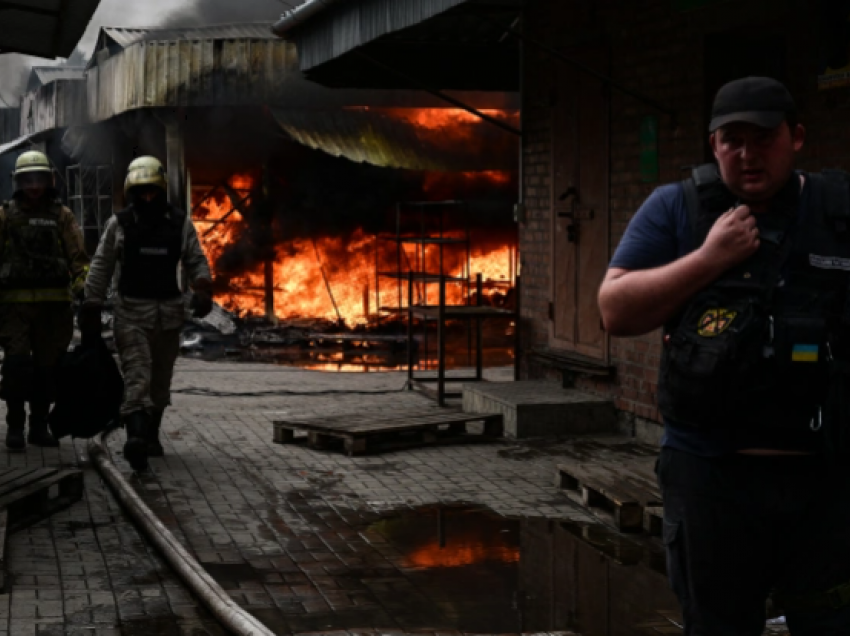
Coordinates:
422 236
90 198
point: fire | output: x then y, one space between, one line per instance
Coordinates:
332 277
438 118
452 556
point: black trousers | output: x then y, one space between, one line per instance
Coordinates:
739 527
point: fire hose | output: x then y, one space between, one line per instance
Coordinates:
229 614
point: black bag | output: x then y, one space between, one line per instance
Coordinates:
89 391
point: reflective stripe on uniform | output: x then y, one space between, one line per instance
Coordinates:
35 295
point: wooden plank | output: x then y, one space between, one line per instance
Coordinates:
37 500
376 417
438 418
363 425
653 520
364 436
8 489
608 487
283 435
11 475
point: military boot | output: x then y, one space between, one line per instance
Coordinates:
137 424
16 418
154 446
39 434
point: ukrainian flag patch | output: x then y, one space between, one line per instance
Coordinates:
804 353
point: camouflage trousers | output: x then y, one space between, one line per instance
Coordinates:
147 363
34 337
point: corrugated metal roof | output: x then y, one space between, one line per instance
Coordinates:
45 28
299 15
393 138
353 24
192 73
58 104
250 30
42 75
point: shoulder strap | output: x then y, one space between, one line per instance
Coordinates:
833 189
692 208
701 176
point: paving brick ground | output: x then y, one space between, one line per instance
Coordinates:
287 531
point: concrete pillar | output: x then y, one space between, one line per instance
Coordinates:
175 145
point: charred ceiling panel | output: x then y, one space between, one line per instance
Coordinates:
415 139
44 28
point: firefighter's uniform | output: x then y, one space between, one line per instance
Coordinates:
140 253
42 263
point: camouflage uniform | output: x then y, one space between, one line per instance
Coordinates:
147 331
42 260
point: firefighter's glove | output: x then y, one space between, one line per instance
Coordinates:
89 318
78 287
202 302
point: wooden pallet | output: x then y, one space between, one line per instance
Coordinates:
622 490
28 495
366 433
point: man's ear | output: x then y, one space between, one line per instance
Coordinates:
798 137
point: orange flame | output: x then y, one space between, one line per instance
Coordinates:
333 277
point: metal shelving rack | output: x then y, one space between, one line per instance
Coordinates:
440 314
419 279
90 199
423 236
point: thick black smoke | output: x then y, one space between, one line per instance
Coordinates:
203 12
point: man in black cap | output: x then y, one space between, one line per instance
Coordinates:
745 266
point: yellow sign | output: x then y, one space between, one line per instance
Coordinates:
715 321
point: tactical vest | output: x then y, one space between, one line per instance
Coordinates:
152 252
33 257
753 349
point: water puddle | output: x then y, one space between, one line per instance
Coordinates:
462 568
473 571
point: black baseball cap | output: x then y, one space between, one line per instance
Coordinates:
762 101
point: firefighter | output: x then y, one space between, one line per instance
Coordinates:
43 263
140 253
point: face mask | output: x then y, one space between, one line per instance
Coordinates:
156 207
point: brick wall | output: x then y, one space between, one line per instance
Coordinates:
660 53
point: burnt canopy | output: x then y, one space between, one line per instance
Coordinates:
44 28
444 44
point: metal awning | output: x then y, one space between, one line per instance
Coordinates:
44 28
445 44
21 142
397 138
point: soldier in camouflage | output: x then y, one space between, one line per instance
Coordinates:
140 252
42 264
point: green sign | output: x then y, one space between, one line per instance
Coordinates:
649 149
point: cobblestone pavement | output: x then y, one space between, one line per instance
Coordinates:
290 533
